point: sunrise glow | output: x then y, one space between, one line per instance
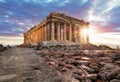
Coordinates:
85 31
92 34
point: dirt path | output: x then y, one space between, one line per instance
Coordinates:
23 65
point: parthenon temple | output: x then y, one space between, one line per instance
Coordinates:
58 27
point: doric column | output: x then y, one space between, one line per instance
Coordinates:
75 33
87 37
52 31
45 32
41 34
70 33
48 31
58 31
79 34
64 31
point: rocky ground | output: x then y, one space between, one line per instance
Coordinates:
23 65
59 65
2 48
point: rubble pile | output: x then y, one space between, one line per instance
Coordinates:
77 65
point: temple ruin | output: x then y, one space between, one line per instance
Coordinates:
58 27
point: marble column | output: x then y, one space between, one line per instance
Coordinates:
52 31
70 33
75 33
79 34
48 28
64 32
87 37
45 32
41 33
58 31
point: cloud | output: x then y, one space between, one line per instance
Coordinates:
106 13
11 40
2 1
16 17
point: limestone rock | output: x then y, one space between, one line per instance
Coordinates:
115 80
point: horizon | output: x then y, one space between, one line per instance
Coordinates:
17 17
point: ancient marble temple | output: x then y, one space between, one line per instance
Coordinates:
58 27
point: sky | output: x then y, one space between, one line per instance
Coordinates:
18 16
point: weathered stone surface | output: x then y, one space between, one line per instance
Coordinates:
7 77
109 71
58 64
115 80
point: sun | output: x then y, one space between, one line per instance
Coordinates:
91 32
85 34
85 31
